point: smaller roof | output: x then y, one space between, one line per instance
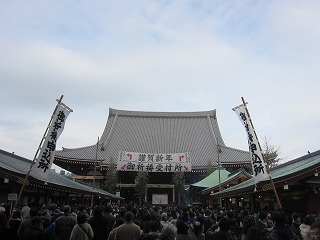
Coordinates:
232 176
212 179
18 166
282 174
88 177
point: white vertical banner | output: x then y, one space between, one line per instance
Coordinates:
46 155
259 168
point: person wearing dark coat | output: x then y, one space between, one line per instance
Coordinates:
223 232
99 224
36 231
25 224
110 219
64 224
14 223
281 231
5 232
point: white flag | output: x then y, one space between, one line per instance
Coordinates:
47 152
259 169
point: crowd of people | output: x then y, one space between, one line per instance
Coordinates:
130 222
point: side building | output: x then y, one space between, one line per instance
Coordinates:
195 133
57 188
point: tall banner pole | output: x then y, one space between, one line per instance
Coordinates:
94 173
260 167
48 154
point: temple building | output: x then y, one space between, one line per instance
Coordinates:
196 134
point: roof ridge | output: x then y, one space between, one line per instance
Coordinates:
308 155
72 149
239 150
211 113
15 156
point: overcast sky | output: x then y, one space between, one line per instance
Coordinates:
168 56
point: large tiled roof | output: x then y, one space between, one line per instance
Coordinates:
160 132
18 166
282 174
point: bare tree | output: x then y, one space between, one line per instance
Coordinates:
210 168
141 181
110 182
270 153
178 182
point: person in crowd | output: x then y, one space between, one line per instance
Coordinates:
128 230
46 216
82 230
57 213
136 217
223 232
262 224
5 233
14 223
182 230
43 206
281 231
247 222
147 221
214 227
25 224
317 217
305 226
64 224
154 226
254 233
314 231
36 231
153 233
110 219
81 208
196 228
119 221
99 224
163 221
296 221
191 217
234 225
168 232
174 217
208 220
2 207
25 211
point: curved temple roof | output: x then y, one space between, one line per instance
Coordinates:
283 174
160 132
18 167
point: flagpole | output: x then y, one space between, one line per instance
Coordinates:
94 172
25 180
267 166
219 151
